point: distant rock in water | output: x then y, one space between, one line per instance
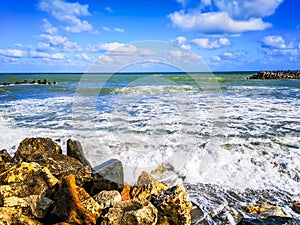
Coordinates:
44 82
275 75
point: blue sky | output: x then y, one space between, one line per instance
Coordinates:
69 35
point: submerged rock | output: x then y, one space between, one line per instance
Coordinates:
271 220
108 176
74 149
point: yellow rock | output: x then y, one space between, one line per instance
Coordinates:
261 209
159 170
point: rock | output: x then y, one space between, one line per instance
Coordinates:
263 75
74 149
159 170
67 204
26 179
11 216
108 176
92 206
131 212
271 220
3 166
173 206
5 156
147 186
126 192
84 177
261 209
296 207
35 149
35 205
61 165
107 198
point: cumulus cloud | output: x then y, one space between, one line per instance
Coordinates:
13 53
47 56
206 43
215 22
83 56
275 41
59 41
48 28
226 16
68 13
181 42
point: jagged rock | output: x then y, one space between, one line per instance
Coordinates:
67 204
271 220
74 149
107 198
11 216
26 179
147 186
61 165
3 165
173 206
126 192
34 149
6 156
108 176
35 205
84 177
263 75
296 207
131 212
261 209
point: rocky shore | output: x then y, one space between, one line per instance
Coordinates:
276 75
40 185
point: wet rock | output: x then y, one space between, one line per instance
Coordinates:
147 186
84 177
11 216
271 220
296 207
33 205
74 149
173 206
35 149
67 204
26 179
108 176
3 165
107 198
131 212
264 208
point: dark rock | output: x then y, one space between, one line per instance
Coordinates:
271 220
3 165
264 75
5 156
67 207
74 149
35 149
108 176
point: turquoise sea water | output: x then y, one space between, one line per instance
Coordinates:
219 129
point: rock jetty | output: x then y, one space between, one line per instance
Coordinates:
276 75
40 185
44 82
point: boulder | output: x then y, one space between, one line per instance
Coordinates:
147 186
264 208
11 216
126 192
271 220
173 206
35 149
67 204
296 207
107 198
5 156
3 165
74 149
131 212
26 179
108 176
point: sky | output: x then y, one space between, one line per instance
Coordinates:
227 35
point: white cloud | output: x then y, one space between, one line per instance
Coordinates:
48 28
47 56
246 9
60 41
106 28
108 9
215 22
180 40
119 30
275 41
83 56
107 46
14 53
216 58
206 43
68 13
186 47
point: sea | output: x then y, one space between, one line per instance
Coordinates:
233 142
